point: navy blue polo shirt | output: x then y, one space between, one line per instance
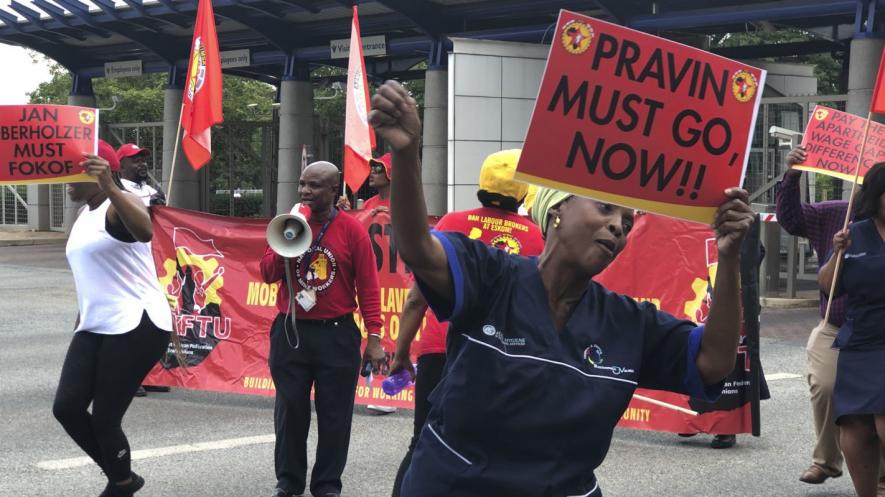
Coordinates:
861 280
523 410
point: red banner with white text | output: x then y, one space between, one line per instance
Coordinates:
210 266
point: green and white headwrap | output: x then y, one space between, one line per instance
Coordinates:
546 199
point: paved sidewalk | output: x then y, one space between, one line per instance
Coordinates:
17 237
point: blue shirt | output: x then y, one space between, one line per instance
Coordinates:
524 410
861 280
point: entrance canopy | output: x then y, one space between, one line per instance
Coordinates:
284 37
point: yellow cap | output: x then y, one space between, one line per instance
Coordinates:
496 175
530 198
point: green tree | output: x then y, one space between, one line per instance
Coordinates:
826 68
141 97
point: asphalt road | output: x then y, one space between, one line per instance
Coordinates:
204 444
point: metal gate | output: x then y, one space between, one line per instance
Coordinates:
767 155
14 205
57 199
790 264
240 179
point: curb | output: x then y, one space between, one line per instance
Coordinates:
781 303
32 241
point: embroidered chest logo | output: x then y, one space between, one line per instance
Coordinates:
491 331
594 357
320 273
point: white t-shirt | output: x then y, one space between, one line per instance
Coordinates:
116 281
142 191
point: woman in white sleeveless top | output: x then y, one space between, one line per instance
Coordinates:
124 322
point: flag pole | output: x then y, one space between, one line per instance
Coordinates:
838 256
174 157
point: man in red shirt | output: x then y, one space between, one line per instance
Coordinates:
322 349
379 179
498 224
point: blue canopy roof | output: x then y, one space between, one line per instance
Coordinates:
283 35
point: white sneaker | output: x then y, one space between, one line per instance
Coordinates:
381 409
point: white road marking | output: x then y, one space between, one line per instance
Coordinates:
230 443
781 376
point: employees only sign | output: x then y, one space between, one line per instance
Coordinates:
636 120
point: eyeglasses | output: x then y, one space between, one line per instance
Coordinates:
378 169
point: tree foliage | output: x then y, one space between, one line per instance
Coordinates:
141 97
239 145
826 68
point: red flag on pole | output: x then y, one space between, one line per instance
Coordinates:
878 104
359 137
201 106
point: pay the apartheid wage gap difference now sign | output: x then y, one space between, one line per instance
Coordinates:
46 143
833 140
633 119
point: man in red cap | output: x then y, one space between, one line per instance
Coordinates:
134 176
379 179
133 171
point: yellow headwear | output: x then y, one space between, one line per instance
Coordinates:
496 175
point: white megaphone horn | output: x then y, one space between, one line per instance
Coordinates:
289 235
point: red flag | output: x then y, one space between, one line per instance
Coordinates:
359 137
878 104
201 106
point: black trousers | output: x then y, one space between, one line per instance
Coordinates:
429 374
105 370
327 359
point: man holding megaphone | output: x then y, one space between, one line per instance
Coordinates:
324 259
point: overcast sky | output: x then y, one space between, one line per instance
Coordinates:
22 75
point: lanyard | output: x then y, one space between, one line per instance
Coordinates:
308 256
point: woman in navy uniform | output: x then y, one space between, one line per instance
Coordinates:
542 360
859 392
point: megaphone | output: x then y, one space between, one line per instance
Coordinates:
289 235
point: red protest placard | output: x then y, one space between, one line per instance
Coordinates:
833 140
636 120
46 143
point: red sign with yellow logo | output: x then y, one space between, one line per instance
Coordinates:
209 266
46 143
637 120
833 140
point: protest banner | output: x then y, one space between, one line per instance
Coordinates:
629 118
210 266
833 141
46 143
679 280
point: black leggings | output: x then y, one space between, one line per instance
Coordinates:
430 371
105 370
